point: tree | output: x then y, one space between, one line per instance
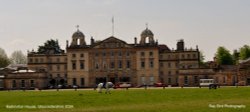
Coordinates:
244 52
202 58
223 56
50 46
17 57
236 56
4 60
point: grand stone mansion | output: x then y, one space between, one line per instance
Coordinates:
112 59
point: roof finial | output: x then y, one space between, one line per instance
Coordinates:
146 25
77 26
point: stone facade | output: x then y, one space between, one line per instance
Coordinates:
115 60
55 65
172 61
244 72
112 60
22 78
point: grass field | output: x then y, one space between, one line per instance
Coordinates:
133 100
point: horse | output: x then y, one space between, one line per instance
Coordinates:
107 86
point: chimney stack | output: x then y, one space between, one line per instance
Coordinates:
135 41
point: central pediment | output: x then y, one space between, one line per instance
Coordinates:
112 42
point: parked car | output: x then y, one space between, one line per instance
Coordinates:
75 86
59 86
50 87
159 84
123 85
208 83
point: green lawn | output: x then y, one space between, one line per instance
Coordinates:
151 100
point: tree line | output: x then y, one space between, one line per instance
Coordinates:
224 57
17 57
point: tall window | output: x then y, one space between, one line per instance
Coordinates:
58 60
73 55
161 64
151 63
82 82
161 72
128 64
14 84
142 54
96 65
161 56
104 65
120 54
82 55
142 64
143 80
58 67
74 81
73 65
188 56
182 56
32 83
104 54
22 83
96 54
1 83
169 72
186 80
194 55
169 65
112 64
176 65
151 54
30 60
151 79
120 63
128 54
112 54
82 64
169 81
196 80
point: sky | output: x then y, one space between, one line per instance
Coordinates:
26 24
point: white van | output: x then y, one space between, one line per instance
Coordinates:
208 83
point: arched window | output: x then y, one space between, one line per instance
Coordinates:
78 41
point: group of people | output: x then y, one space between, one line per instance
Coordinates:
106 86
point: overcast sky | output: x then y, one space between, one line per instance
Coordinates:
26 24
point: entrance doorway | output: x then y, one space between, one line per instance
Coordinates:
248 81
